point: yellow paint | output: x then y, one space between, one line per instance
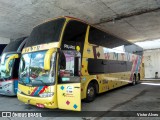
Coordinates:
9 59
48 102
40 47
47 59
69 97
142 74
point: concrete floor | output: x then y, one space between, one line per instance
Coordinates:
142 97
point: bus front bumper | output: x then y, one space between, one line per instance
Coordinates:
47 102
8 87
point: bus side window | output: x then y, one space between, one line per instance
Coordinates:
72 68
69 66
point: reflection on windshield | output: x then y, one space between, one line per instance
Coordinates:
24 67
32 69
4 74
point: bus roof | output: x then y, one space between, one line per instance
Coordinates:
13 46
77 19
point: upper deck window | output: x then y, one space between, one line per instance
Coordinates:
74 35
46 33
100 38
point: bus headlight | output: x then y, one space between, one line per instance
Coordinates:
48 94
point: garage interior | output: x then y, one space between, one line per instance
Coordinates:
137 21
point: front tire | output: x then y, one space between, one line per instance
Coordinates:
91 92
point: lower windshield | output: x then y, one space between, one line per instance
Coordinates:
32 70
4 73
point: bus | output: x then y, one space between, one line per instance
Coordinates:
9 67
66 60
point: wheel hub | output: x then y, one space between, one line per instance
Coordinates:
91 91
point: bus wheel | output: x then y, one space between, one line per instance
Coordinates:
134 80
139 77
91 92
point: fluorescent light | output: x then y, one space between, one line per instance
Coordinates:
156 84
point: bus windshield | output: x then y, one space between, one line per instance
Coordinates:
32 70
4 73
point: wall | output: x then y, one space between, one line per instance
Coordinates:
152 63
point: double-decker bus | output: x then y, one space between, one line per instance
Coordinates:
9 67
66 60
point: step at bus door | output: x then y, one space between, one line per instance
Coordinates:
69 85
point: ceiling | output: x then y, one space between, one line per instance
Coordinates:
134 20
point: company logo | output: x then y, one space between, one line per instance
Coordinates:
69 46
69 89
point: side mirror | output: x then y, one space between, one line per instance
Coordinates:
9 59
62 60
47 59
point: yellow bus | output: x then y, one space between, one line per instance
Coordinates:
66 60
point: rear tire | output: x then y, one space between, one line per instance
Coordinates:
138 80
134 80
91 92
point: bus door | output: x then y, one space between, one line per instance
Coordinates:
69 85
